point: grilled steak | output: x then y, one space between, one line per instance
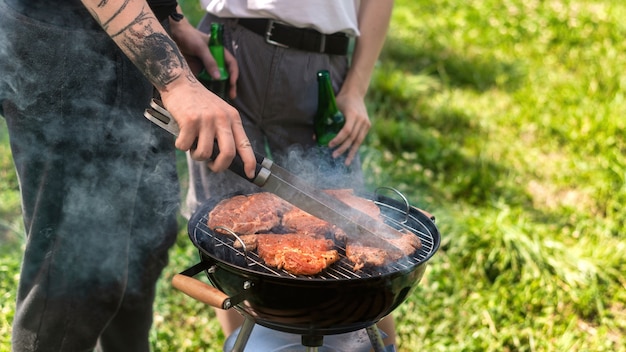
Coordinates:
289 238
407 242
367 254
362 256
359 203
248 214
299 254
298 221
373 254
259 218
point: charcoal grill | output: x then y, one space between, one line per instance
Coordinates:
337 301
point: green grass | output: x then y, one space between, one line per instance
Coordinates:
505 119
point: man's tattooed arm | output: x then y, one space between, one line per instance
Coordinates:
135 29
203 117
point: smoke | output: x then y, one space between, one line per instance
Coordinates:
98 181
317 166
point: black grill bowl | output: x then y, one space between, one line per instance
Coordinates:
336 301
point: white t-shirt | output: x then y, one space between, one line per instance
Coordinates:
326 16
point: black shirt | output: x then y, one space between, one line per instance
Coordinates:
163 8
61 13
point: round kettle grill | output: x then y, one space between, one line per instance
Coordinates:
337 301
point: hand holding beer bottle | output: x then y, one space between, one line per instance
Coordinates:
328 122
328 119
216 46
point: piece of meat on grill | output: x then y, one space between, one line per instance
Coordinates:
248 214
407 242
298 221
363 253
299 254
361 204
249 242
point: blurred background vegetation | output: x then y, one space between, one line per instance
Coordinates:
505 119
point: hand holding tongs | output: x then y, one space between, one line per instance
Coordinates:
161 117
293 189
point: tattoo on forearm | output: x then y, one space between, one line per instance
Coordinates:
143 17
103 3
154 53
159 59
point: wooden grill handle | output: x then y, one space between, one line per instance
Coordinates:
201 291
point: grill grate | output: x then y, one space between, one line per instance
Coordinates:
221 247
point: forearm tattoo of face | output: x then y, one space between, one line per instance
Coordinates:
156 54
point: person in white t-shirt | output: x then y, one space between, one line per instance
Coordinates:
279 46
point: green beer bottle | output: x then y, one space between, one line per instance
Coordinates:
328 119
216 46
327 124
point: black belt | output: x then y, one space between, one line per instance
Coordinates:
305 39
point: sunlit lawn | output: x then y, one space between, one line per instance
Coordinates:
505 119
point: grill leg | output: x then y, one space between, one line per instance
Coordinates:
377 340
312 343
244 334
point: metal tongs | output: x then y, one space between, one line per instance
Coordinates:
277 180
160 116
